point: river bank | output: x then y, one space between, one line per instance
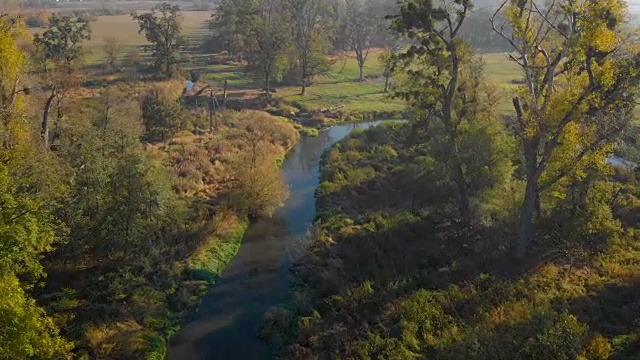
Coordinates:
224 326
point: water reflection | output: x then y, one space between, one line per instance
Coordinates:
301 170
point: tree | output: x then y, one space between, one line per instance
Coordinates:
25 330
134 61
259 188
580 80
435 66
229 30
311 38
391 48
113 49
162 116
391 41
386 59
29 193
358 27
121 201
12 62
162 28
271 39
61 42
59 49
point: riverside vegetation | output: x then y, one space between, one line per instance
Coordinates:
464 234
467 232
119 208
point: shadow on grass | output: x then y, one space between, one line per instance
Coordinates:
614 311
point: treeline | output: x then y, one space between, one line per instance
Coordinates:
468 234
116 209
294 41
290 41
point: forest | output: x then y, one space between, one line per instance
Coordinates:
499 218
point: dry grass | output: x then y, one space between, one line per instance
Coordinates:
125 29
201 165
116 340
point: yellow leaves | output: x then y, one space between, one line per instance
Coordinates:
570 159
11 56
521 27
598 348
12 61
25 330
516 22
510 313
563 99
599 37
605 73
600 22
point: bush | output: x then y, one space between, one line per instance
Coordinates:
310 132
162 115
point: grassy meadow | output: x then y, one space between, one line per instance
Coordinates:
339 88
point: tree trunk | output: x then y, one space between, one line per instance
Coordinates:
461 184
211 114
45 119
343 63
303 90
452 130
526 216
267 76
224 95
361 67
531 202
387 76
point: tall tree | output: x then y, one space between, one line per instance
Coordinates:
359 27
121 201
59 50
311 38
30 192
580 80
390 40
259 188
162 115
441 56
12 62
229 30
162 27
113 49
271 36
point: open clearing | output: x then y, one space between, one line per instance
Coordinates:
339 88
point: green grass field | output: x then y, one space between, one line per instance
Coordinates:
341 88
338 88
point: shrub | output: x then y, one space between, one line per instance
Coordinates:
161 114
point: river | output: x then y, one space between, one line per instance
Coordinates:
224 326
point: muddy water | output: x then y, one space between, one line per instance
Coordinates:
224 326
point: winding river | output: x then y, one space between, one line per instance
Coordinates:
224 326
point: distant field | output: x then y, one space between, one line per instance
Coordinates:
500 71
124 28
338 88
342 88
